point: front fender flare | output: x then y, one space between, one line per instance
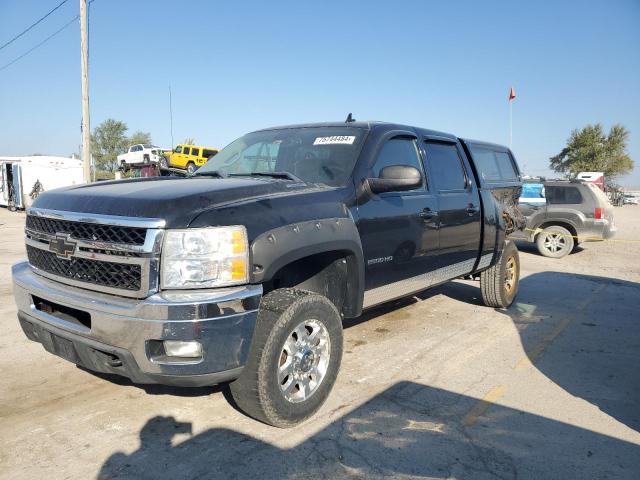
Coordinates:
276 248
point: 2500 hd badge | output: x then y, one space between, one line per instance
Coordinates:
244 271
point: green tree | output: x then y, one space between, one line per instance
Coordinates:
590 150
140 137
107 141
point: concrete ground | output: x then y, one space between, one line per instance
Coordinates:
436 386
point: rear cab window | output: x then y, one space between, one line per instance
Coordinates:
493 164
195 152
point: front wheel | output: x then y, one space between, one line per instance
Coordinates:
191 168
294 358
499 284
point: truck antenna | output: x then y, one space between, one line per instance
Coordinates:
350 118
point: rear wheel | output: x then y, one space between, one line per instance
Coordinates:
294 358
499 284
555 242
191 168
145 159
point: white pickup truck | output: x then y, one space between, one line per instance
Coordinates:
140 153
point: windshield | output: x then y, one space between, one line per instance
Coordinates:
324 155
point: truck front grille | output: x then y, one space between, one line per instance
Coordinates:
111 254
88 231
107 274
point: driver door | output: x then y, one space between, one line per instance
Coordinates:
398 230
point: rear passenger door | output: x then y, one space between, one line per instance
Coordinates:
398 230
195 152
458 203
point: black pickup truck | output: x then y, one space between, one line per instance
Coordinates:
244 271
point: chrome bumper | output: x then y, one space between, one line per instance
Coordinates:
222 320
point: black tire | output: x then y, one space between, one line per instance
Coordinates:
258 392
191 168
145 159
163 162
555 242
499 284
124 166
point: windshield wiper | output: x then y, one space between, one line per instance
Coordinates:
283 175
212 173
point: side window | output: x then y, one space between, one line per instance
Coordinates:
179 149
206 153
560 195
492 165
186 150
505 166
398 151
446 165
195 151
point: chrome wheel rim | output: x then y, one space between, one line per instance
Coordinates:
510 275
304 360
555 242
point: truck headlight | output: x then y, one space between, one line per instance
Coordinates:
205 257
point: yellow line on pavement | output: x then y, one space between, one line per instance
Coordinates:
526 361
533 354
587 239
489 399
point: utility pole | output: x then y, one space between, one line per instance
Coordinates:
84 66
171 116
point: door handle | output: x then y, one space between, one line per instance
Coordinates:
471 209
428 213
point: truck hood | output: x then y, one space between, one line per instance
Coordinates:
176 200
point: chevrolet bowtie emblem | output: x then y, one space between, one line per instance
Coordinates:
62 246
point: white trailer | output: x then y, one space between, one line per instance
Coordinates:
22 178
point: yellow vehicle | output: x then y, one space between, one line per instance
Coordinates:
190 157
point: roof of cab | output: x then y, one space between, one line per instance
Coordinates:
485 144
368 125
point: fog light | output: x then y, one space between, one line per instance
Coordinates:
179 348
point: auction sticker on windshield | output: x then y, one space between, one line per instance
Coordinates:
335 140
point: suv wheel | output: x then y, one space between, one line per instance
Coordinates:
499 284
163 162
294 358
191 168
555 242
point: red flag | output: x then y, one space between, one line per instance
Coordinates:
512 94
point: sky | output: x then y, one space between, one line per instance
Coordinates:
234 67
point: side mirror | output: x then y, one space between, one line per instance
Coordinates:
396 178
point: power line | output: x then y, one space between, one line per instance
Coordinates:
43 41
40 44
33 25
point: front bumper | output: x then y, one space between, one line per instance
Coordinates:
120 335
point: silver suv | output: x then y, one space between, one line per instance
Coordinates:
562 214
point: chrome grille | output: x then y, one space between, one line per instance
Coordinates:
107 274
88 231
112 254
